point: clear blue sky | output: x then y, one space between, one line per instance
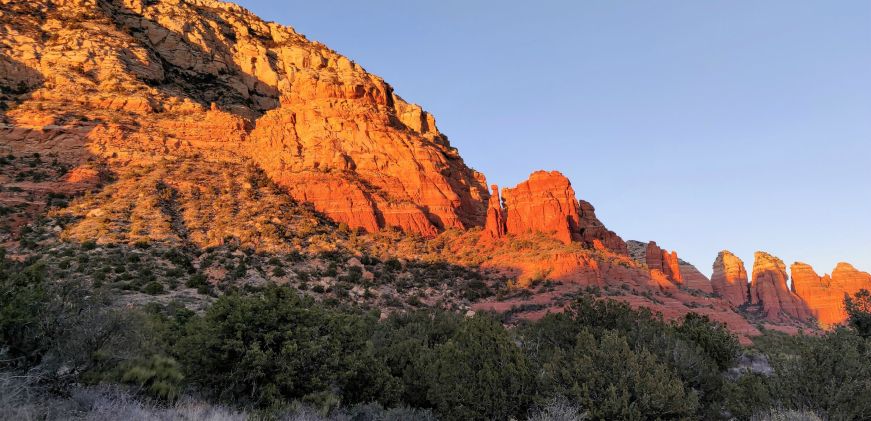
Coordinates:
703 125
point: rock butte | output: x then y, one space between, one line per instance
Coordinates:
769 291
729 279
664 262
667 266
546 203
824 295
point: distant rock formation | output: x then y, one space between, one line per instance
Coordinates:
769 291
824 295
593 231
665 262
543 203
546 203
495 226
729 279
694 279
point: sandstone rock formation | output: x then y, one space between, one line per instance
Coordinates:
593 231
666 263
495 226
769 291
694 279
546 203
131 80
729 279
824 295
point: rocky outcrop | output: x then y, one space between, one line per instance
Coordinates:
694 279
667 265
769 291
348 152
495 226
546 203
729 279
824 295
593 231
132 80
663 261
543 203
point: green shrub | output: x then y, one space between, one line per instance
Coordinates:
158 376
273 346
714 339
196 281
153 288
829 374
479 373
859 312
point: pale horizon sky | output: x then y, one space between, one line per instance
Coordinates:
739 125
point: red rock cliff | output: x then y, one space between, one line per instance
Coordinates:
136 80
665 262
495 225
694 279
546 203
769 291
593 231
729 279
824 295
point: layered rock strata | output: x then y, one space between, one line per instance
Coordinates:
730 280
769 291
824 295
546 202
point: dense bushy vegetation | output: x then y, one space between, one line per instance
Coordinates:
271 350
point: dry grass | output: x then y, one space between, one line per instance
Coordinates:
786 415
558 410
21 399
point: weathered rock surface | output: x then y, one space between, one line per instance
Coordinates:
730 280
769 291
824 295
593 231
663 261
694 279
664 264
495 226
131 80
546 203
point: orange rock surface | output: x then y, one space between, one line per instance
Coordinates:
824 295
546 203
664 262
729 279
495 226
694 279
135 80
593 231
769 291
